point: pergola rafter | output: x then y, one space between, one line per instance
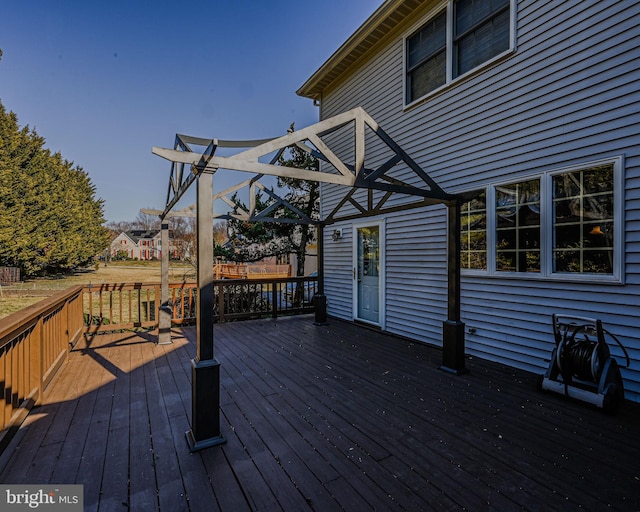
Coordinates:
250 214
311 139
179 181
351 172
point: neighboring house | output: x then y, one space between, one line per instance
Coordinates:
536 104
310 261
140 244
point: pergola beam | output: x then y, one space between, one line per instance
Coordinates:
340 172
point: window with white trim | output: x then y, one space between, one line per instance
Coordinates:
561 224
462 36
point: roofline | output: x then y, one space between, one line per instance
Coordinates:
353 48
125 234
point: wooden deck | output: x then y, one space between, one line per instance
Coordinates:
323 418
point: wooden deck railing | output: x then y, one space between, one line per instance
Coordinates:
111 307
33 344
239 299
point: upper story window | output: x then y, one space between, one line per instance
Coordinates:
427 58
562 224
457 39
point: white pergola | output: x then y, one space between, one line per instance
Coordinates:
260 158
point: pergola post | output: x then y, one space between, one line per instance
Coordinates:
320 299
164 318
453 328
205 370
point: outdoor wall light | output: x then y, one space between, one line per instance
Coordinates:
336 235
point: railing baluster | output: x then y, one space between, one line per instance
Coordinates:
7 385
121 319
220 302
101 314
111 317
274 300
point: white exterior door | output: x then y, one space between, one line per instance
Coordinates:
367 272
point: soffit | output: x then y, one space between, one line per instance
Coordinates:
385 20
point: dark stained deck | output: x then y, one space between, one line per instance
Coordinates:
323 418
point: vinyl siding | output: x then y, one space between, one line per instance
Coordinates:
338 280
569 94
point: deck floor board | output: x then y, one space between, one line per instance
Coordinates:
333 417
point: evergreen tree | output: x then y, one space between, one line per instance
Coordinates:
252 241
50 220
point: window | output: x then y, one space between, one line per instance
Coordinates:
562 224
583 219
427 58
441 51
517 208
482 31
473 233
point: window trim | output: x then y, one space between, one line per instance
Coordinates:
450 80
546 225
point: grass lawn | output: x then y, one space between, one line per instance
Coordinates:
16 297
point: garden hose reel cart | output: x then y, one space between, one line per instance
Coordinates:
581 365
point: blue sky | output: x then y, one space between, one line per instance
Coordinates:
104 82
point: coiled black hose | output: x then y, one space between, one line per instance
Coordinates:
579 358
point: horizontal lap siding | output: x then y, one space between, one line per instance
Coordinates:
416 274
570 94
338 272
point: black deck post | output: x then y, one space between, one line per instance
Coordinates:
319 299
205 370
453 328
164 316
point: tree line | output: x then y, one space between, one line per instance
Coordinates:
50 218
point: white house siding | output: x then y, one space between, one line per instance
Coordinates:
570 94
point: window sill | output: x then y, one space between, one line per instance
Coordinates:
536 276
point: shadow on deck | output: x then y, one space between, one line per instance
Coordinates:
323 418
